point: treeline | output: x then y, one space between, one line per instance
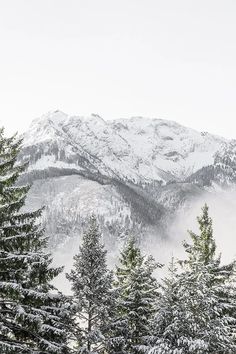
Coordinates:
124 311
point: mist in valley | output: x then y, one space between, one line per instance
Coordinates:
222 209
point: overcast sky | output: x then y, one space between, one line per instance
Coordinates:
119 58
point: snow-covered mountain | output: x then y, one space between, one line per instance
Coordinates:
133 173
139 150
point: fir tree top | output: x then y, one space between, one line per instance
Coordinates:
130 257
92 294
203 248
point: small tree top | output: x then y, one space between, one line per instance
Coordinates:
203 248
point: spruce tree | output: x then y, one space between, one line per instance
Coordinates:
169 314
137 292
190 318
32 312
203 250
193 314
92 293
203 246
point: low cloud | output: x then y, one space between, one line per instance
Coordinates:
222 209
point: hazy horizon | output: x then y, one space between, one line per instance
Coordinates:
170 60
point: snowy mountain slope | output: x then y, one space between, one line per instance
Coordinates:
138 150
169 146
70 199
221 172
134 174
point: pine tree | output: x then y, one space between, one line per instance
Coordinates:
169 314
190 319
193 312
32 312
92 293
203 250
203 247
137 292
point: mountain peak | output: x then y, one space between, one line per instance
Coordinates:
136 149
56 117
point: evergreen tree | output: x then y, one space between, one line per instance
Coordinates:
32 312
190 318
92 293
137 292
222 279
193 312
203 247
169 314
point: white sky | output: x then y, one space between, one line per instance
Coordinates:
119 58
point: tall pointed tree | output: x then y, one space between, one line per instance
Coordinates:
222 279
203 247
32 312
190 318
137 292
92 293
169 314
195 316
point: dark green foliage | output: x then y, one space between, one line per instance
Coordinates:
31 310
196 311
203 246
92 294
135 303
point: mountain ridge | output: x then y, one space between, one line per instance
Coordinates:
149 149
134 174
